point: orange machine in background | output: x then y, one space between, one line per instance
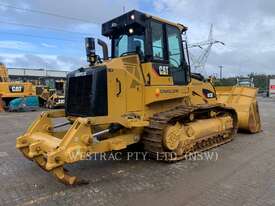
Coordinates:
1 104
11 90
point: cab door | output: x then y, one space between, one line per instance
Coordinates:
177 63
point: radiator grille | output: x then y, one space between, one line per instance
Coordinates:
87 95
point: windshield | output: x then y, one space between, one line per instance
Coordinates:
125 44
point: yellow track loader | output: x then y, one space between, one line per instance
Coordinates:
51 98
57 99
144 93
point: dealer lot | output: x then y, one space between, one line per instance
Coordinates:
242 174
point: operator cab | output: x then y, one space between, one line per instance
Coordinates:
159 45
155 40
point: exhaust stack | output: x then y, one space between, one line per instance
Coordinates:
90 51
104 48
92 58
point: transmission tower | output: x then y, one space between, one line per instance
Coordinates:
198 62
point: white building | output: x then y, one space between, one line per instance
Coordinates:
36 73
37 76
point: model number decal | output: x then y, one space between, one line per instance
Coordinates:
61 101
210 95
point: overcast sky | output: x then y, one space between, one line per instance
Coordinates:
246 27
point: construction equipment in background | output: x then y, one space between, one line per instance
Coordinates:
1 104
198 62
4 76
245 81
24 104
144 93
43 94
56 98
11 90
51 97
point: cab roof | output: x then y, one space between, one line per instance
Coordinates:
131 19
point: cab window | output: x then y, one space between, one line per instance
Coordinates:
129 43
157 41
174 47
177 65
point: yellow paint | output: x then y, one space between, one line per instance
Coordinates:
243 100
131 102
6 85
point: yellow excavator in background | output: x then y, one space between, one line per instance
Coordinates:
144 93
11 90
4 76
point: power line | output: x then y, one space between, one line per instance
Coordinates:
45 13
37 50
41 27
39 37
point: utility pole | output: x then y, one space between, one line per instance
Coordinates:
221 67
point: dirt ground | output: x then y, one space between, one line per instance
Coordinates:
242 172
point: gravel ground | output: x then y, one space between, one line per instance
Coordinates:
242 172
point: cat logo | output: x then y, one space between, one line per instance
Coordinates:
163 70
16 88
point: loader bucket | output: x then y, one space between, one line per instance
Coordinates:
243 100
